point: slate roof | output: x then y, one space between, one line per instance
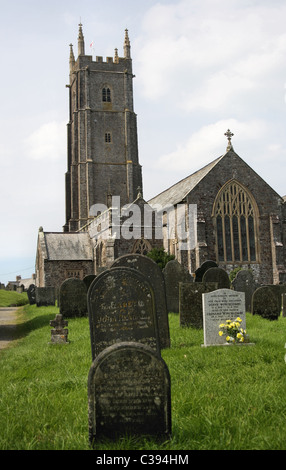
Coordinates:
67 246
180 190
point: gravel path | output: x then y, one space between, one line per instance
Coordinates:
7 325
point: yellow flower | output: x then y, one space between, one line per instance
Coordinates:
238 319
220 333
239 335
241 339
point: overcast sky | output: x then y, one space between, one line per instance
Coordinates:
201 66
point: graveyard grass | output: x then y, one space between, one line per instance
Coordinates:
230 398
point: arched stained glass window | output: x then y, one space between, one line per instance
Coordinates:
235 216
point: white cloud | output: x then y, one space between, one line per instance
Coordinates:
206 144
47 142
210 53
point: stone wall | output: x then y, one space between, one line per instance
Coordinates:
270 266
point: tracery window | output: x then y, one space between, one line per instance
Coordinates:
142 247
236 219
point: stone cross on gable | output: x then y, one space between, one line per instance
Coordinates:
229 135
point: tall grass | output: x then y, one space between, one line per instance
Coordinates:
222 397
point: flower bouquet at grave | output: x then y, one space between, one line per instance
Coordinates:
233 331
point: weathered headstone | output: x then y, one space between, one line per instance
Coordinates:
217 275
244 282
266 303
203 268
121 307
153 273
88 280
31 292
59 335
73 298
174 273
191 304
218 307
45 296
278 290
283 305
129 393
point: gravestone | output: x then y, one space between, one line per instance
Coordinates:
121 307
174 273
73 298
203 268
278 290
153 273
191 304
88 280
31 292
218 307
266 303
283 305
45 296
129 393
217 275
244 282
59 335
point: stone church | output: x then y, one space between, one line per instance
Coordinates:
223 212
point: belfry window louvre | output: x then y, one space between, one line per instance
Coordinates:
106 95
235 216
107 138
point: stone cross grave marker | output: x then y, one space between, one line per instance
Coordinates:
121 307
73 298
129 392
59 335
219 306
153 273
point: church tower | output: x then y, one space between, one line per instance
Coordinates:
102 134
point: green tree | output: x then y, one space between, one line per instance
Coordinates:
160 256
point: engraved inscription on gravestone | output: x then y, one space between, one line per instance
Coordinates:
153 273
129 392
121 307
219 306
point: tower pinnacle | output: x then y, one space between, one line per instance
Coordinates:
127 46
80 41
72 59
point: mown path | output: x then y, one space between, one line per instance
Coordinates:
8 324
